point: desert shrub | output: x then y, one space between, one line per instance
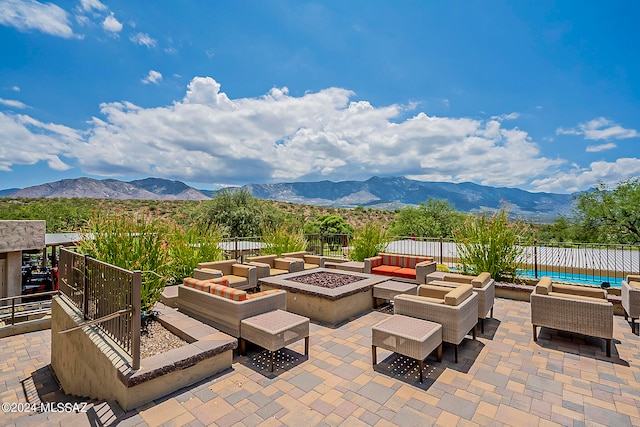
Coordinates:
492 244
282 239
368 241
190 245
133 244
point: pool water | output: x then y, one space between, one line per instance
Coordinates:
594 280
573 278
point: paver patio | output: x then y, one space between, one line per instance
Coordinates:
503 378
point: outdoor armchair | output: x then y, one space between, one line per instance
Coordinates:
456 309
580 309
310 260
239 276
631 299
482 284
271 265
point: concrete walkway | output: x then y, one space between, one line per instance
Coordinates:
503 378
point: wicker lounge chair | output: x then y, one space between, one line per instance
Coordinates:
456 309
239 276
631 299
271 265
482 284
572 308
310 260
223 307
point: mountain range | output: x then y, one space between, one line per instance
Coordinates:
376 192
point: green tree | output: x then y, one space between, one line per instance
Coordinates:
433 218
612 215
492 244
330 226
236 212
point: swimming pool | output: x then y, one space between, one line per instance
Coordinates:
582 279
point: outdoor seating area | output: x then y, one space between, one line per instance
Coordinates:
503 377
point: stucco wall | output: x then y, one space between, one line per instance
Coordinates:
22 235
88 364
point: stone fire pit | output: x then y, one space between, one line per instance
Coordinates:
326 296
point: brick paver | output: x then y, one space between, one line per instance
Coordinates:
505 378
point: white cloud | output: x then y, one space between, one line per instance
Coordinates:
15 88
45 141
510 116
600 128
89 5
143 39
579 179
208 137
27 15
12 103
601 147
153 77
111 24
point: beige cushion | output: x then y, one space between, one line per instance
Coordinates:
423 299
457 278
481 280
635 285
575 296
457 295
544 286
633 278
432 291
585 291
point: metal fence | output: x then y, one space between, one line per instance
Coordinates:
108 296
580 262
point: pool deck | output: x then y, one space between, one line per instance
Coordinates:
502 378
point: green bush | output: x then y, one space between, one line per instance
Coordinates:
368 241
491 243
133 244
282 239
190 245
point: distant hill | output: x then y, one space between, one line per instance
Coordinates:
146 189
395 192
382 193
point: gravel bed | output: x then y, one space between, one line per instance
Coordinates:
326 280
156 339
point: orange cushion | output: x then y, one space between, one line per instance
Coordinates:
220 281
385 270
263 293
227 292
201 285
407 273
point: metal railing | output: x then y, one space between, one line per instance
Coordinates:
17 310
108 296
579 262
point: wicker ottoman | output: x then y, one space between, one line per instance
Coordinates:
274 330
411 337
389 289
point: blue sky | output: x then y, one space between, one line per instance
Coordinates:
543 96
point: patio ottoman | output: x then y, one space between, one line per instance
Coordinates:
411 337
274 330
389 289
